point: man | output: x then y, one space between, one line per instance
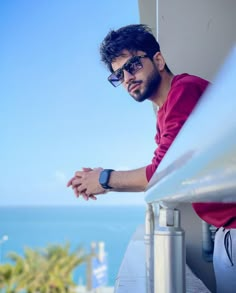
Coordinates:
133 57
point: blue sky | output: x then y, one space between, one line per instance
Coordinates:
58 112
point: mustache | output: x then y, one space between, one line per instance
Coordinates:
133 83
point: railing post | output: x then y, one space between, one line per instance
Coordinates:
148 239
207 242
169 253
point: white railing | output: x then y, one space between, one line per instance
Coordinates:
200 166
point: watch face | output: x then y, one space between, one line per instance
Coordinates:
104 176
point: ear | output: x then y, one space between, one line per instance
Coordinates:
159 61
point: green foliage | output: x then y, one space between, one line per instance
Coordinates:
48 270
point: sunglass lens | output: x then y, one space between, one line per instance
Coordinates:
114 79
134 65
117 77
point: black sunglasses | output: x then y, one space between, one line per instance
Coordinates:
132 66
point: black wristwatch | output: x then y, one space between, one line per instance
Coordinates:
104 178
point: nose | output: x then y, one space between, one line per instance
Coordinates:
128 77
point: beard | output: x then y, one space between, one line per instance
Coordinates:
152 84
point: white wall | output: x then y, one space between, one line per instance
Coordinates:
148 13
196 35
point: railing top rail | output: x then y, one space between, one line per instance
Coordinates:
201 163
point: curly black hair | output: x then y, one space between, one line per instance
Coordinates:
134 37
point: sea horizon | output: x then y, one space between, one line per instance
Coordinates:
38 226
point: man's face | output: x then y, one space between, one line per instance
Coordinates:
142 84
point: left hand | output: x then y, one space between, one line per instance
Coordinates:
86 183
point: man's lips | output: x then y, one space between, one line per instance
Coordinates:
133 86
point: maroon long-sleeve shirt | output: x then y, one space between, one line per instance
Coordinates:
183 96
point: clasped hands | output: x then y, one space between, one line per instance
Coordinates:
85 183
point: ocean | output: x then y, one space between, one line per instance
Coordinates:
37 227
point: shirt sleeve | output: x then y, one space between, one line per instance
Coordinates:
178 107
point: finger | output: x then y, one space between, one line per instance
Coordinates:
79 173
70 182
85 196
76 182
76 192
87 169
93 197
98 168
81 190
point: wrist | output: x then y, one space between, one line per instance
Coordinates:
104 178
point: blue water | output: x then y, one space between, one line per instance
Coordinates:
36 227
